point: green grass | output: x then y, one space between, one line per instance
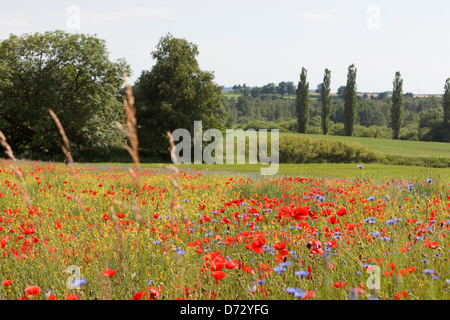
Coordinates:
320 170
394 147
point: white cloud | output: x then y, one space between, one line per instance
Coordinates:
131 15
13 25
318 16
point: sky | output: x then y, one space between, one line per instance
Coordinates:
261 42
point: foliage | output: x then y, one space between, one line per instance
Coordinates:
174 94
302 102
326 100
69 73
397 106
350 101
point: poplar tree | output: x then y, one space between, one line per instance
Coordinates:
326 99
302 102
446 106
397 106
350 101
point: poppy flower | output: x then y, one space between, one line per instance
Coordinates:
51 297
154 294
32 290
256 245
279 246
308 295
72 297
333 220
339 284
138 295
400 295
285 212
109 272
7 283
218 275
230 264
341 212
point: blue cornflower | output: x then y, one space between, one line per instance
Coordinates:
429 180
371 198
428 271
285 264
79 282
302 273
300 294
376 234
279 270
360 166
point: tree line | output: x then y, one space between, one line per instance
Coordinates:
73 75
440 130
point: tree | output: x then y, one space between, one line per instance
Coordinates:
340 92
446 106
290 88
269 88
69 73
282 88
174 94
326 101
397 106
302 102
350 101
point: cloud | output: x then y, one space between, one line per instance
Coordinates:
132 14
13 25
318 16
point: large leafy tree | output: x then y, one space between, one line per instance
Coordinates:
302 103
69 73
350 101
397 105
174 94
326 101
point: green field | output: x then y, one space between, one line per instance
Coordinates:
316 170
395 147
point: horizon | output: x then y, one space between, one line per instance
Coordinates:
264 42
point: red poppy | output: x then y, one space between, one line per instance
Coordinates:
138 295
285 212
341 212
400 295
256 245
32 290
109 272
218 275
340 284
333 220
279 246
154 294
7 283
72 297
51 297
308 295
230 264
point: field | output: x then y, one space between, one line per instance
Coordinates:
98 233
395 147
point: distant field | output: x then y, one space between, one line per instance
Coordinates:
317 170
395 147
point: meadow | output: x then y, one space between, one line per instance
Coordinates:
95 232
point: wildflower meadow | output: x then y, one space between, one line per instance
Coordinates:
84 232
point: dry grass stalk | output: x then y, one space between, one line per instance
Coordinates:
9 152
105 285
66 150
120 250
131 133
176 185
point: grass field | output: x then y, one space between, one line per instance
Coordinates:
315 170
394 147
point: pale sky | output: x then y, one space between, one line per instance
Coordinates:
257 42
